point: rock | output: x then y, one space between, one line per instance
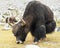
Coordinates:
32 46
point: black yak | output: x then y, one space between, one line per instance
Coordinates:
37 18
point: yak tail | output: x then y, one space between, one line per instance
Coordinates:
50 27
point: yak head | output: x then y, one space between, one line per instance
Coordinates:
18 31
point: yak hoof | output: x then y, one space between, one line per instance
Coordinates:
35 43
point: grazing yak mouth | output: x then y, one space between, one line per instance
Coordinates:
19 41
16 28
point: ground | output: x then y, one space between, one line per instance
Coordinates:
7 40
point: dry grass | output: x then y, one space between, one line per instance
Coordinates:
58 24
7 40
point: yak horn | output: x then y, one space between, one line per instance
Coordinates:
23 22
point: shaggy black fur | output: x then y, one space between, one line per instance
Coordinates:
39 20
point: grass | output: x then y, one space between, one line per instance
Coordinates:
58 23
7 40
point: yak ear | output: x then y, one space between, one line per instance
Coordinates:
23 23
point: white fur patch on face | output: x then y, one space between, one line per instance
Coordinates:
19 41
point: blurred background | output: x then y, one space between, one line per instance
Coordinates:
16 8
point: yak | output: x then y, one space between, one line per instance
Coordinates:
38 19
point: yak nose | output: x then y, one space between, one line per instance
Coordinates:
19 41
